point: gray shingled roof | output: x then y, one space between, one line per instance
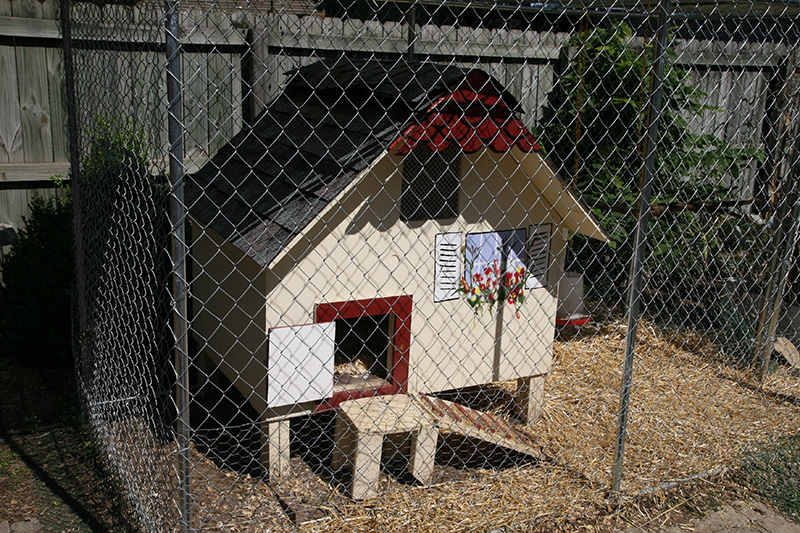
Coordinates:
333 119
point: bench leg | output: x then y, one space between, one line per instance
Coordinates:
423 453
367 469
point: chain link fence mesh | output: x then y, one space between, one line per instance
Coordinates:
412 291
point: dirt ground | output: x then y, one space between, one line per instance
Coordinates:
48 464
743 516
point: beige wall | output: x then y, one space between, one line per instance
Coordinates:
359 248
229 305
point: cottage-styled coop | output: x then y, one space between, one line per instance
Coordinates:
329 240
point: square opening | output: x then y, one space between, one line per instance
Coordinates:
363 352
371 347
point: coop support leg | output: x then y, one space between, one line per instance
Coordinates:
275 448
529 398
343 444
367 469
423 453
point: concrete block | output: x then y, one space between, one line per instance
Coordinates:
29 526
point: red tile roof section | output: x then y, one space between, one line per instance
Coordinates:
474 116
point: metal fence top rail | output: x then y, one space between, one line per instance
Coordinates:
704 9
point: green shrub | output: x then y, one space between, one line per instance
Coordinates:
773 470
37 278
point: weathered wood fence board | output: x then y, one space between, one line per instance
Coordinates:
34 100
10 122
30 81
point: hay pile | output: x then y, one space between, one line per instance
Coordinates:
691 413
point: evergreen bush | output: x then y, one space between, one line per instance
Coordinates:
37 276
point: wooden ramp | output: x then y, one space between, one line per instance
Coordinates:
454 417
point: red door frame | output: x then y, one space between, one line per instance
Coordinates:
401 307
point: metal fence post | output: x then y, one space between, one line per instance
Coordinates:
640 242
179 252
79 300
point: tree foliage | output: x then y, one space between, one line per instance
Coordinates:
594 128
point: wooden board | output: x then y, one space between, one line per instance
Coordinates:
34 104
387 415
300 364
31 9
36 27
32 171
14 205
195 102
57 95
10 124
788 350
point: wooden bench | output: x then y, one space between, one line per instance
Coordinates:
361 426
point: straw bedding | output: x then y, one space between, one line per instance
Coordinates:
691 413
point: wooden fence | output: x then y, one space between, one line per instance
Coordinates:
236 61
32 117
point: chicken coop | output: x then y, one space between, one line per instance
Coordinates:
337 239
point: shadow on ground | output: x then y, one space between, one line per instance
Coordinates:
57 477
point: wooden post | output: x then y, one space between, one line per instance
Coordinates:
367 467
787 168
275 448
342 443
529 398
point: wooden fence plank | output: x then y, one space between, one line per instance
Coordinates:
10 122
48 29
195 104
14 205
58 112
34 94
32 171
31 9
28 27
49 9
123 83
160 105
218 94
221 101
10 134
34 101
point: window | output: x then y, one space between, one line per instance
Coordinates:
430 184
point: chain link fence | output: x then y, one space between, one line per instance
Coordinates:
454 266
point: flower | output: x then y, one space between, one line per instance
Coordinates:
494 285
